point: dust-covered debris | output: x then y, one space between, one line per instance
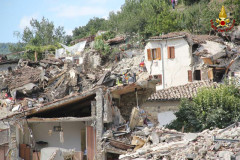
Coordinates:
209 144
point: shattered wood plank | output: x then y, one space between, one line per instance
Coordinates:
210 73
120 145
207 60
138 142
54 78
103 78
135 117
115 151
59 82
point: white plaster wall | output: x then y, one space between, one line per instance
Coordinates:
175 70
71 130
162 110
165 118
155 107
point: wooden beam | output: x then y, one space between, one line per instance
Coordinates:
63 119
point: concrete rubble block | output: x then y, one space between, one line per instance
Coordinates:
226 155
217 146
237 155
154 137
190 136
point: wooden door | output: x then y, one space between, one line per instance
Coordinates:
91 142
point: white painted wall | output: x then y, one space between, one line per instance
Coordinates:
165 118
71 130
174 71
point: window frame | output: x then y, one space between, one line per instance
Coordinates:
171 52
154 54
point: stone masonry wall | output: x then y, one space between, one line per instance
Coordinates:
128 101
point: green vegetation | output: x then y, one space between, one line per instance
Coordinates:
42 36
4 48
144 18
102 47
210 108
155 17
92 27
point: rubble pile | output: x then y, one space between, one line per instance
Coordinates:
161 143
36 83
142 139
32 84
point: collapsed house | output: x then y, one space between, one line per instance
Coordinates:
74 52
61 109
54 109
179 57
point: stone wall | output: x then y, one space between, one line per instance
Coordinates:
156 107
128 101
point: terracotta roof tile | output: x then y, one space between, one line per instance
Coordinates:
171 35
190 37
183 91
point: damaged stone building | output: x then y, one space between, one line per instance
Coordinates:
179 57
74 123
57 110
77 108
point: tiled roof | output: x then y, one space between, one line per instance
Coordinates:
183 91
190 37
170 35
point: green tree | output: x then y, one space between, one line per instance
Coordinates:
40 37
101 46
196 18
92 27
210 108
234 8
160 18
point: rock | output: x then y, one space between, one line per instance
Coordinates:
234 134
203 151
146 131
190 156
226 155
237 156
217 146
190 136
196 148
155 138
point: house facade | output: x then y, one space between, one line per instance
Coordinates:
169 58
165 102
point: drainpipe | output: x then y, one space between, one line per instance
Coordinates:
163 69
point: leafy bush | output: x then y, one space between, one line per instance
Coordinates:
210 108
102 47
108 35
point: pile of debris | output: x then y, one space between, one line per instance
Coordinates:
32 84
35 83
142 139
161 143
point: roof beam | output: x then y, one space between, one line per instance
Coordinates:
63 119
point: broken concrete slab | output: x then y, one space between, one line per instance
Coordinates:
190 136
